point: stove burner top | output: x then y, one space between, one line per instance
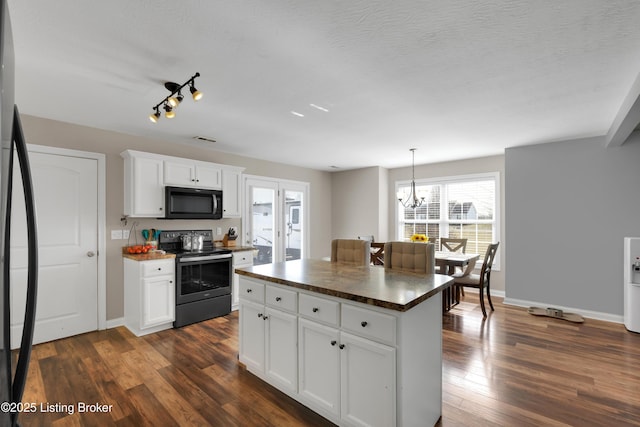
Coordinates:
203 252
171 242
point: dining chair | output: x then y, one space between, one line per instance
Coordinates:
480 281
350 251
410 257
451 244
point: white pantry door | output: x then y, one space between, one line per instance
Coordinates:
66 198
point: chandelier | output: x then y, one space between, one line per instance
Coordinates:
171 101
412 199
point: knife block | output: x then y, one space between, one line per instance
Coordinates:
226 241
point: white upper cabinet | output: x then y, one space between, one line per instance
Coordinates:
231 193
143 186
146 175
192 174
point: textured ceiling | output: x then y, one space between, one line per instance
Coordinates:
454 78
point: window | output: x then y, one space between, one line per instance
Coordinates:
460 207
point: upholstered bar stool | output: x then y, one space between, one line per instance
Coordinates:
410 257
350 251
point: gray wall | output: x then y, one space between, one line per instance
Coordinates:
568 207
359 203
64 135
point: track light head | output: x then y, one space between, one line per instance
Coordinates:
195 93
155 116
169 113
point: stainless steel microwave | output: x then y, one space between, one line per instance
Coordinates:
192 203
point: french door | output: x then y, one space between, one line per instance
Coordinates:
276 219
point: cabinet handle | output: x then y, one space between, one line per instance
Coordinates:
363 324
334 342
315 309
159 269
278 299
341 346
170 281
259 314
193 180
249 290
265 317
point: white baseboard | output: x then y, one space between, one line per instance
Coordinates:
494 292
114 323
608 317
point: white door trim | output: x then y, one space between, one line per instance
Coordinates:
102 191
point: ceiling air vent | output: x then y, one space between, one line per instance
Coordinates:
204 139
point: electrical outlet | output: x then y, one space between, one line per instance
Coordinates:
116 234
218 231
125 234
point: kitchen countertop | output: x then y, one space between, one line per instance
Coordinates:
150 256
369 284
237 248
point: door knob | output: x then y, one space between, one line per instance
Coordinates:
90 254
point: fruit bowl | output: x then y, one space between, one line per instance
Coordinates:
138 249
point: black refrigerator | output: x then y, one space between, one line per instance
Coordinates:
13 378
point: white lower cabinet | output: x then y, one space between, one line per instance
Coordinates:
281 361
346 375
149 295
339 359
268 339
318 346
251 335
367 382
241 259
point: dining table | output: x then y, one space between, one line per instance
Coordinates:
448 261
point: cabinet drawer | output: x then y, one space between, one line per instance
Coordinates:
369 323
242 258
319 309
252 291
281 298
158 267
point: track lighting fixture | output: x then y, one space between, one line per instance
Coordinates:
175 98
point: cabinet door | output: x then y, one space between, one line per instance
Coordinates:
179 174
281 362
240 259
148 190
231 195
158 301
252 335
319 366
368 382
208 177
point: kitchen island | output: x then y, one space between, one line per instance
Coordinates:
358 345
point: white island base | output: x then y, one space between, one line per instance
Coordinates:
355 364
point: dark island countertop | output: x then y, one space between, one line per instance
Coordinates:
369 285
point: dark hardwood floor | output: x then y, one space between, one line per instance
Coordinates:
512 369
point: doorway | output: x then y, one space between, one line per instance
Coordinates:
276 222
69 195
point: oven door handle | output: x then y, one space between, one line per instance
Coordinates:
204 258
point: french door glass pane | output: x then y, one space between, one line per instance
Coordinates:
262 223
293 224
